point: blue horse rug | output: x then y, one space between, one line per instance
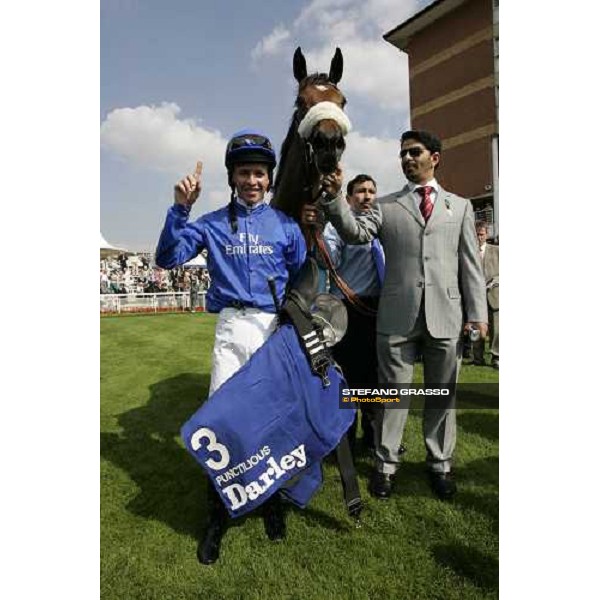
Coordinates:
268 427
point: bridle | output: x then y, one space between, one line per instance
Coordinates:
305 121
310 165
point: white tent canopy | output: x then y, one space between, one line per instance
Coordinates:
106 248
199 261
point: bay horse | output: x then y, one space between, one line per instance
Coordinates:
314 142
312 148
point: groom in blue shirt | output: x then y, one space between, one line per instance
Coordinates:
361 268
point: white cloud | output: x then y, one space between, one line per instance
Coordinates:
153 137
377 157
373 17
271 44
323 12
387 14
374 70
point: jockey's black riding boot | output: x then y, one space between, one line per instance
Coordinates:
274 518
210 544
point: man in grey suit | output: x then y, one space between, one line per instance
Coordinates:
490 260
432 291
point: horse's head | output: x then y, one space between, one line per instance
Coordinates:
322 123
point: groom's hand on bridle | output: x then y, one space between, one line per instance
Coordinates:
332 182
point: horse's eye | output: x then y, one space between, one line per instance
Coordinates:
318 142
340 143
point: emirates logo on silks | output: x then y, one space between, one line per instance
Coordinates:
249 244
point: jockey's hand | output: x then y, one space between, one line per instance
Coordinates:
332 183
188 189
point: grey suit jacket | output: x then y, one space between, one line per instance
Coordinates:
491 272
439 261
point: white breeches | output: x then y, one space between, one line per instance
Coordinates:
238 335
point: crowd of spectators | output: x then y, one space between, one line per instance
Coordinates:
137 274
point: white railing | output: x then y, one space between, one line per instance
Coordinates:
150 303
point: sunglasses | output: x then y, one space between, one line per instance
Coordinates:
415 151
250 141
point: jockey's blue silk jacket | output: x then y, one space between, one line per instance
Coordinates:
268 243
267 428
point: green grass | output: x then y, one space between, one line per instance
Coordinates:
155 371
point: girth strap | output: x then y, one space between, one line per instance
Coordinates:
311 338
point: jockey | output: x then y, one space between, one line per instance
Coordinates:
248 243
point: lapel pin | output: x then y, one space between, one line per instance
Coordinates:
447 201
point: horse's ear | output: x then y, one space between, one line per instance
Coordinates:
299 65
337 66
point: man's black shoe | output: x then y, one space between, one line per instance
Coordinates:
495 364
479 363
274 519
210 545
381 485
442 485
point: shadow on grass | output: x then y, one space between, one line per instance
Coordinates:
485 424
477 473
481 471
318 518
478 395
480 569
171 486
412 480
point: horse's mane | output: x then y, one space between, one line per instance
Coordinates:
285 147
313 79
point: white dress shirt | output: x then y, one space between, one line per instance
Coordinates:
417 198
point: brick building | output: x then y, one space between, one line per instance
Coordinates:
452 47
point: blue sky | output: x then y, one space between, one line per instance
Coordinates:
178 77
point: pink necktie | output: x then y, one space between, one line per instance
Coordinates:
426 205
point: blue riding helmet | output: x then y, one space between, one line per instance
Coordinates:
249 146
